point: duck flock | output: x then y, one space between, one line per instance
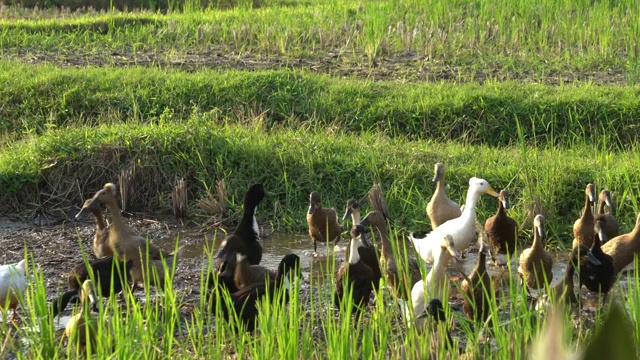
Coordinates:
126 260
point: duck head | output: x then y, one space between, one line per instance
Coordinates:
436 310
438 170
360 231
447 244
504 198
89 206
481 186
582 253
598 228
254 195
352 207
108 194
290 264
314 202
605 197
87 293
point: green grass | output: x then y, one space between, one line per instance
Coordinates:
309 327
46 171
39 98
488 38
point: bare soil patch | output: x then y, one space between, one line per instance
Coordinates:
406 66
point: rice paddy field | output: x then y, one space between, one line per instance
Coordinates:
330 96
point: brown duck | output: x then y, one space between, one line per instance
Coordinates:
323 222
611 227
440 208
501 229
101 246
623 248
355 274
400 280
128 245
367 251
583 227
536 262
478 289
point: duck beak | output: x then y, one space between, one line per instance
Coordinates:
81 213
452 250
607 200
505 203
347 213
602 236
541 231
492 192
592 259
436 177
363 238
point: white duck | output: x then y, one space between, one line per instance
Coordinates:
436 284
13 282
462 228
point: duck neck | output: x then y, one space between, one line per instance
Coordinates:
481 266
354 255
100 223
440 264
249 221
601 205
587 214
440 189
355 216
537 245
384 238
501 211
118 226
470 205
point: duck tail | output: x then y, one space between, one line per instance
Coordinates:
59 304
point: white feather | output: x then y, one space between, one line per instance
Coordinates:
13 282
463 228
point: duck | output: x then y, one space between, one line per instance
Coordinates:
244 239
462 228
355 274
246 274
501 229
535 262
323 222
440 208
109 273
367 252
126 244
399 279
623 248
478 289
598 277
611 226
564 291
224 276
13 283
101 246
436 284
583 227
433 323
82 328
244 301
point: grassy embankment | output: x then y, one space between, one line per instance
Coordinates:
298 132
